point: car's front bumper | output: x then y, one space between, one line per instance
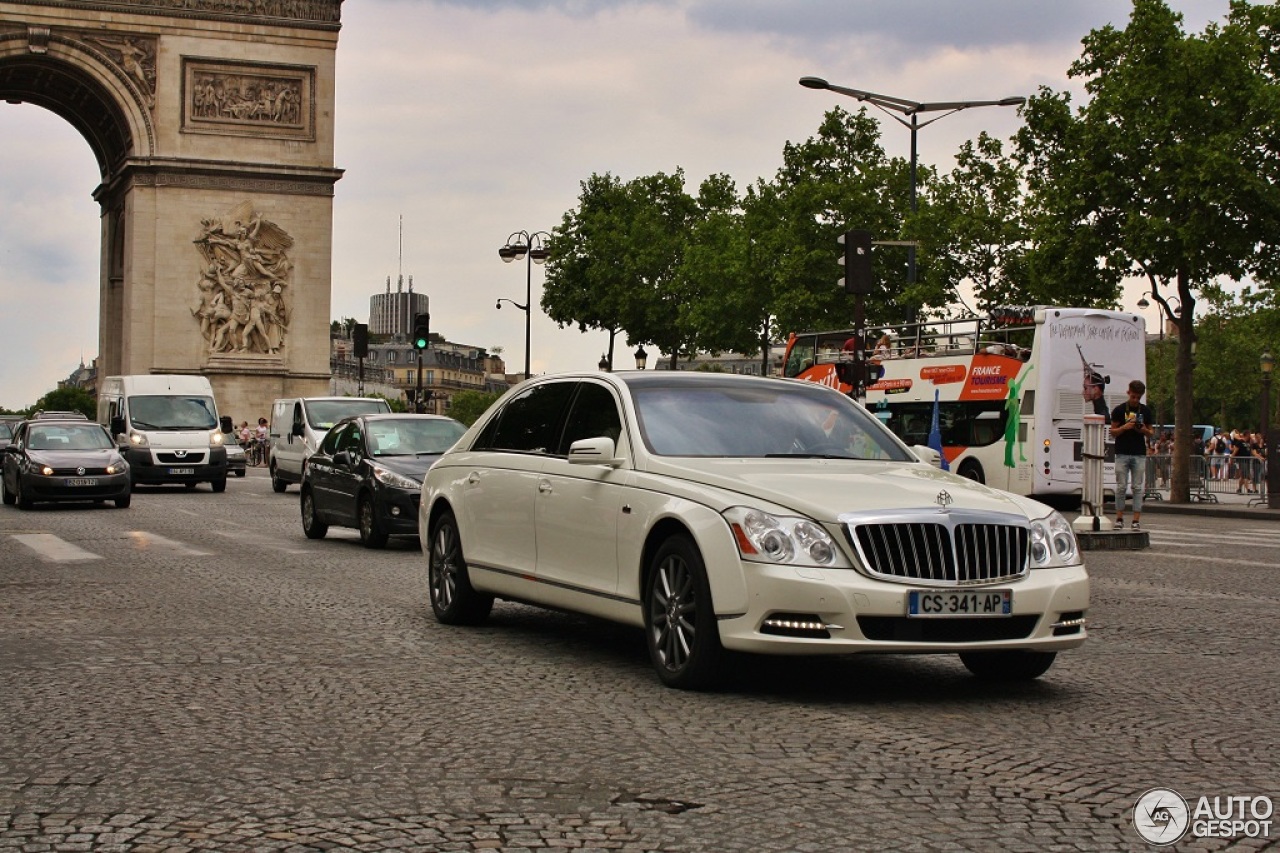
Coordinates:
159 465
105 487
398 509
859 614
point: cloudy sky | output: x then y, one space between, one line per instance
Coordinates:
471 119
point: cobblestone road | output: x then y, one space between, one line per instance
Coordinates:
193 674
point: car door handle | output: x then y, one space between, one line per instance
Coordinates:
473 478
544 486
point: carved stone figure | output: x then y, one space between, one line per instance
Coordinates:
138 59
242 306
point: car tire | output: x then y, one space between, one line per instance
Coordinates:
123 501
190 487
1008 665
679 621
453 599
219 485
312 526
239 473
6 495
972 471
23 499
277 485
371 533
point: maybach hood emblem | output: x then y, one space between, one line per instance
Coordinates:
943 500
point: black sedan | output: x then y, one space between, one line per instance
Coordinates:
368 474
50 460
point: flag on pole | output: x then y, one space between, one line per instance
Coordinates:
935 433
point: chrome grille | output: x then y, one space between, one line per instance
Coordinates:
191 457
943 548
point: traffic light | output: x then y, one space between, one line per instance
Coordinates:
855 257
360 339
421 331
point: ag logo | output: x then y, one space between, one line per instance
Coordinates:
1161 816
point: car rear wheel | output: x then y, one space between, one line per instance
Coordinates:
371 533
312 526
1010 665
453 599
680 625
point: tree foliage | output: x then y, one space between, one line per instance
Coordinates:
467 406
68 399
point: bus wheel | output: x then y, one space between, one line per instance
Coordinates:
972 470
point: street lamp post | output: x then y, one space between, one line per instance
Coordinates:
1166 313
521 245
1268 364
912 109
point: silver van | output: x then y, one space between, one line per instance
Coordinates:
299 423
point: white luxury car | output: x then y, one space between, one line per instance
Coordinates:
734 512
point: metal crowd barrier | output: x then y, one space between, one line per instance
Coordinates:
1210 476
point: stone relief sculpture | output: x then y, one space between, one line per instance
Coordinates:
243 285
137 56
326 11
247 98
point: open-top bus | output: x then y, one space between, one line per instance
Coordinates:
1011 388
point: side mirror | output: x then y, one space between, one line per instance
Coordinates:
928 455
225 424
117 425
297 430
342 457
594 451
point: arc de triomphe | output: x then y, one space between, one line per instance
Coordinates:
212 124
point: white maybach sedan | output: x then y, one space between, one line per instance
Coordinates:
734 512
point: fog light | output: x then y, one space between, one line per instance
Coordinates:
395 511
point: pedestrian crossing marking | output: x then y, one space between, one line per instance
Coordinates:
143 540
55 549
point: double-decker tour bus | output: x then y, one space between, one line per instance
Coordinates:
1011 388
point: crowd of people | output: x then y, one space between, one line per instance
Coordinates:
1238 455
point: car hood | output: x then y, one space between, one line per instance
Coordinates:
74 458
185 439
414 467
823 489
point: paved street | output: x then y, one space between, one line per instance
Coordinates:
193 674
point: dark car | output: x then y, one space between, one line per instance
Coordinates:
72 460
368 472
6 432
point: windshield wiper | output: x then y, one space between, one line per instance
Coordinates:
143 424
808 456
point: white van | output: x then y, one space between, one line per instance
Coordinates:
299 423
166 426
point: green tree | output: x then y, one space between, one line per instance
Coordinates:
468 406
68 399
1169 171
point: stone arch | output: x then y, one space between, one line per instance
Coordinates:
195 197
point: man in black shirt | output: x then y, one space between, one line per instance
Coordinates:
1131 423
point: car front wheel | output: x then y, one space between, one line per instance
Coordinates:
680 625
277 485
453 599
371 533
1009 665
312 526
22 497
5 494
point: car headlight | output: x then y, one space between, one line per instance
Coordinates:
137 439
117 468
216 438
46 470
390 478
1053 542
762 536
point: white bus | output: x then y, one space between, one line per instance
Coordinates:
1046 366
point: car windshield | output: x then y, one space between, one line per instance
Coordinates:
755 420
6 431
172 412
412 436
70 437
323 414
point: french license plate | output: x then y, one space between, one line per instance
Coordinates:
82 481
178 472
941 604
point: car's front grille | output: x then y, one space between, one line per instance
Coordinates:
942 548
902 629
187 458
80 472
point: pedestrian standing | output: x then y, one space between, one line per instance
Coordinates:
1132 422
